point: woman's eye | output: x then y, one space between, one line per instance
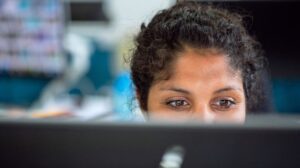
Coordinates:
178 103
224 104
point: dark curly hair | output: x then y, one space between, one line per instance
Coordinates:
200 26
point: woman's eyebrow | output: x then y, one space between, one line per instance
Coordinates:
176 89
226 89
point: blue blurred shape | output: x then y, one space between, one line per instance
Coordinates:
123 96
286 93
20 91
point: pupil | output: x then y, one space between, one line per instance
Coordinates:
179 103
224 103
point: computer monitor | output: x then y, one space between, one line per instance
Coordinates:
73 144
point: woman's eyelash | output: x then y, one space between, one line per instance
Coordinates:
226 101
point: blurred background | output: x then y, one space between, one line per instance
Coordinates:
65 58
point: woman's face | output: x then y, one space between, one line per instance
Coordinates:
202 86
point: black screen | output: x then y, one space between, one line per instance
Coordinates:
275 24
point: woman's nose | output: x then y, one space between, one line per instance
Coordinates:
204 114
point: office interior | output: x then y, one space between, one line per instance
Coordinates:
67 58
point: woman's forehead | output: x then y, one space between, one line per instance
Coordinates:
207 63
194 66
193 69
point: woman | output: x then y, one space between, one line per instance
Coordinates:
197 61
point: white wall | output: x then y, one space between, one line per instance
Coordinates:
126 17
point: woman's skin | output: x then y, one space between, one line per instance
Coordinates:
202 86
